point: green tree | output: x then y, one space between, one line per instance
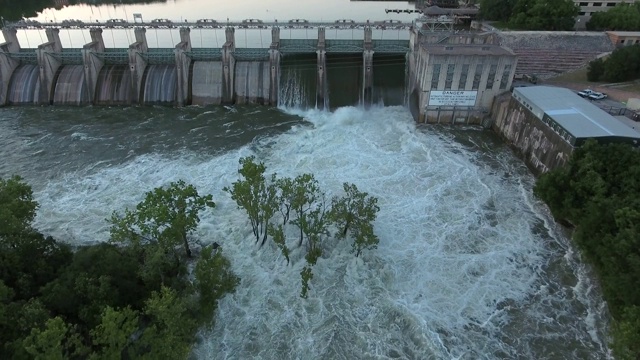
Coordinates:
553 15
497 10
253 194
354 214
213 279
305 195
17 207
115 332
170 332
57 341
595 71
622 17
598 191
623 64
626 337
166 216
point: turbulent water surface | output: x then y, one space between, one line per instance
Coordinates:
469 266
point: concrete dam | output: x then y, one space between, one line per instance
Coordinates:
292 72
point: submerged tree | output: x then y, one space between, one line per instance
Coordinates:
166 216
354 214
255 196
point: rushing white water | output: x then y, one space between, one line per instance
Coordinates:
467 265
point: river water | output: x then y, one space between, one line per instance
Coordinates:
470 265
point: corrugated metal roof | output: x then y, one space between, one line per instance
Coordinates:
578 116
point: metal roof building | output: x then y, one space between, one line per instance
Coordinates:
572 117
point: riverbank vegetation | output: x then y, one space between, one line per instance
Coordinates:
133 296
599 192
550 15
622 65
129 298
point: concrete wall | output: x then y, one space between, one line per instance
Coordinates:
541 148
206 85
465 61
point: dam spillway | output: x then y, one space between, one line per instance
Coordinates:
291 72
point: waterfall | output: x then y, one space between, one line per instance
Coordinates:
114 86
24 85
160 84
70 88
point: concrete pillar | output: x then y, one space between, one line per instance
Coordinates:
274 65
11 40
137 63
414 39
228 66
96 37
7 63
92 63
53 36
141 37
321 82
183 61
230 35
367 68
7 66
49 65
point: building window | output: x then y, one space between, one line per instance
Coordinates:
597 4
492 76
584 4
622 41
581 13
462 84
505 76
477 76
611 4
435 77
451 68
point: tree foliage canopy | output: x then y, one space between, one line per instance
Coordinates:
622 65
105 301
599 191
622 17
549 15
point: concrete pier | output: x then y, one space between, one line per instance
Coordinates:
182 65
367 78
49 64
137 64
274 66
7 64
92 63
321 82
228 65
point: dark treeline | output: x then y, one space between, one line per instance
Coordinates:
599 192
622 17
622 65
552 15
12 10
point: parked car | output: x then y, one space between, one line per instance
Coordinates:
586 92
597 96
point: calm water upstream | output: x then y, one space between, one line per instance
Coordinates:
470 265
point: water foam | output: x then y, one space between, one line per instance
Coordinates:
462 270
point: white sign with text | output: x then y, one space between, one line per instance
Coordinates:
453 98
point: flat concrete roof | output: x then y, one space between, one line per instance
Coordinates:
578 116
466 49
